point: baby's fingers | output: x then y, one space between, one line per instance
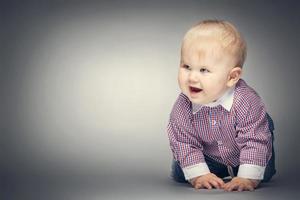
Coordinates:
203 185
230 186
247 187
198 186
216 184
220 182
207 185
241 188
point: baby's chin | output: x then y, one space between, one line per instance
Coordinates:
197 100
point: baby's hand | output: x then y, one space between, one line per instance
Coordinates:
241 184
207 181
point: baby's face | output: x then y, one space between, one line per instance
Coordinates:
204 70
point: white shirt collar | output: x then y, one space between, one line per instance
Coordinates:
226 101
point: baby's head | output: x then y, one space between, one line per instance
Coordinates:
212 56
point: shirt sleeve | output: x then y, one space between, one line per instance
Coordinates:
254 139
187 150
251 171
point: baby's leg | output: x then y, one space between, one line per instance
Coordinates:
270 168
177 173
216 168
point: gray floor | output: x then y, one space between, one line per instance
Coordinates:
129 186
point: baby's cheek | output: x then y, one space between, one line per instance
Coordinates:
181 82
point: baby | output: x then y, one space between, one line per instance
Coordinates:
218 126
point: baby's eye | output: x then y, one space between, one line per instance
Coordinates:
186 67
204 70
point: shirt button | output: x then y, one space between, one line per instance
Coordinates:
213 122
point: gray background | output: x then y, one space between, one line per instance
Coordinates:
87 88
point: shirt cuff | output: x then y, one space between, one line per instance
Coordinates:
195 170
251 171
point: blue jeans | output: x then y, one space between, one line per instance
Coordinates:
220 169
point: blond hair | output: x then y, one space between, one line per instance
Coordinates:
228 36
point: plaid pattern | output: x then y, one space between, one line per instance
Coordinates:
235 137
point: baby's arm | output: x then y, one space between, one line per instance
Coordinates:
186 149
255 142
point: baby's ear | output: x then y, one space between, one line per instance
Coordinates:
234 76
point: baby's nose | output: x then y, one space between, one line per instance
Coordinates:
193 77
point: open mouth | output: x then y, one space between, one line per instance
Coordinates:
195 90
